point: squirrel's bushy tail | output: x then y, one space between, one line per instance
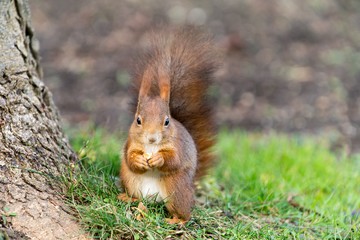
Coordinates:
188 58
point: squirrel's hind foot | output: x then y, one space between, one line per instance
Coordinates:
125 198
176 220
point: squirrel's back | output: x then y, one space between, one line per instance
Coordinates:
187 56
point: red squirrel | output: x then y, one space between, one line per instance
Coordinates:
170 140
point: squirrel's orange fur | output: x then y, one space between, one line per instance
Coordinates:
170 140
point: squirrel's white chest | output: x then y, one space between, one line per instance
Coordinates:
150 185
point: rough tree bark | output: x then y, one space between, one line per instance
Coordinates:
32 144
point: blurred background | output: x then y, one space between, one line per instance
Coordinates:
289 65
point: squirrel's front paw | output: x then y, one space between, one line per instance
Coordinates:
156 160
140 162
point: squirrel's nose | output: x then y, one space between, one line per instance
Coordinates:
153 138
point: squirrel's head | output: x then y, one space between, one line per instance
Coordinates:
152 120
152 123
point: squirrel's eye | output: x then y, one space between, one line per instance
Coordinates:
138 121
167 121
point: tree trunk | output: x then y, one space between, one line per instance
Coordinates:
32 144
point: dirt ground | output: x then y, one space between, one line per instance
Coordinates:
291 66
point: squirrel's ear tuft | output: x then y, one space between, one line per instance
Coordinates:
145 83
164 85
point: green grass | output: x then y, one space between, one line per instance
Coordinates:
265 187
